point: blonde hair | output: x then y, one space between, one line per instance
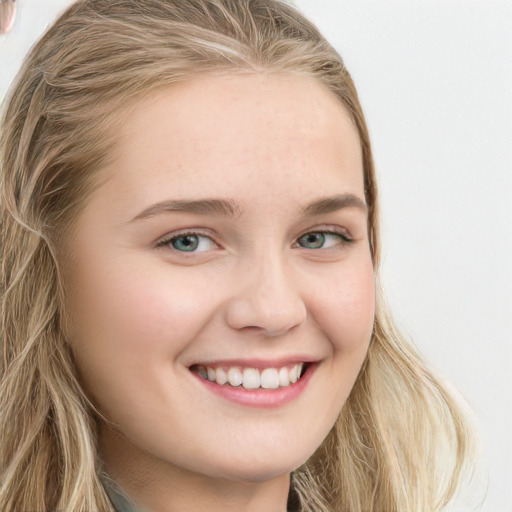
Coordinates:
401 442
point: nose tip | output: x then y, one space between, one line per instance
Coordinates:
244 316
271 320
269 306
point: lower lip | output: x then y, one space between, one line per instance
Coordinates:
268 398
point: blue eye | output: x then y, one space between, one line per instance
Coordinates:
189 242
321 240
195 242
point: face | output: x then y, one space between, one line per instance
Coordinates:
227 241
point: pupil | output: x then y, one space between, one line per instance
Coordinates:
313 240
186 243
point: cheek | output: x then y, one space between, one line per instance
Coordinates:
133 302
133 321
346 309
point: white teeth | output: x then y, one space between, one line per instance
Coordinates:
269 378
295 373
252 378
284 377
221 376
235 376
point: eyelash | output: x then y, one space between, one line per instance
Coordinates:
344 238
167 240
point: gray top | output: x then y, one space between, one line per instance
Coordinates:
121 502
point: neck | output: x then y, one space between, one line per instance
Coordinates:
155 485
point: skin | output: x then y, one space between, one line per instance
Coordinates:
142 314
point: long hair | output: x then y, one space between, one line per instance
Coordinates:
401 442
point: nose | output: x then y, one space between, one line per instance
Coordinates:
266 299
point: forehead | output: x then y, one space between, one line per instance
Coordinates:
222 134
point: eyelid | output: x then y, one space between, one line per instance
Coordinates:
342 232
166 239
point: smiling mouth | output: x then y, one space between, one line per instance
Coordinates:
252 378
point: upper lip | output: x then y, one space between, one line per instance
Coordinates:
256 363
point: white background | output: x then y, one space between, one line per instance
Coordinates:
435 82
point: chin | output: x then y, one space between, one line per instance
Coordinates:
260 468
252 474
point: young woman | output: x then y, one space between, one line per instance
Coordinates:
191 310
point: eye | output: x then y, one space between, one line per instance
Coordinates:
322 240
189 242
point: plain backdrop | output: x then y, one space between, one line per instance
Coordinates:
435 82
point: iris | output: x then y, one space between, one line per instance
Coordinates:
187 243
312 240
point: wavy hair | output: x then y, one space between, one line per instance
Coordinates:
402 440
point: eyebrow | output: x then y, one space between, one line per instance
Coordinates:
230 208
219 207
334 203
